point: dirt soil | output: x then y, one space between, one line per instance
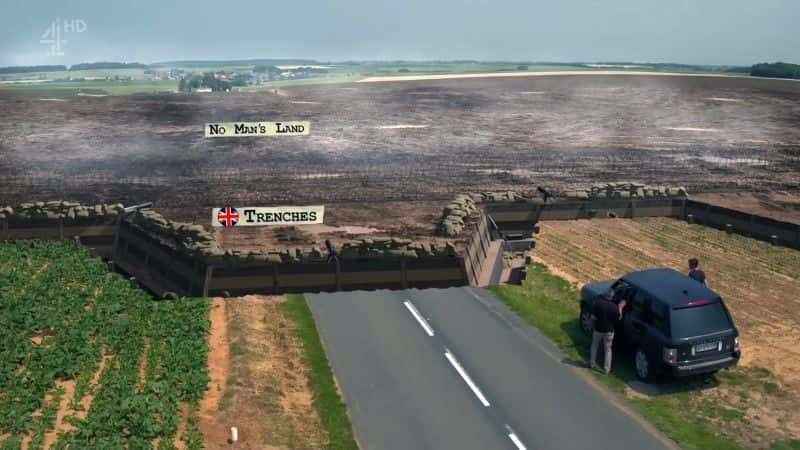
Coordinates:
758 281
389 155
259 382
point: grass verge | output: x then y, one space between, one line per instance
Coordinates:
550 304
786 445
326 396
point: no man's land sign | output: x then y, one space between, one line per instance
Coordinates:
244 216
256 129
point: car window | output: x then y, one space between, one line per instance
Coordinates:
660 315
699 320
623 291
651 312
640 302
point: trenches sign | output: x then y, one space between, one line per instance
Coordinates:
230 217
245 129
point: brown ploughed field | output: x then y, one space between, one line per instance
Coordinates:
389 155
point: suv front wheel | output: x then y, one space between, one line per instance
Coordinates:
644 370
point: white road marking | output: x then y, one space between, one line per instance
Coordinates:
418 316
466 377
515 439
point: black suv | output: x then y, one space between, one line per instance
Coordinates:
672 323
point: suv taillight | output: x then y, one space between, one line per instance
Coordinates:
671 356
736 344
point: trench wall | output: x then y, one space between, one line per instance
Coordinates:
522 215
184 259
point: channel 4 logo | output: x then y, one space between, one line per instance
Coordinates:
52 36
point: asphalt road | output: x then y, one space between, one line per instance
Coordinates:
455 369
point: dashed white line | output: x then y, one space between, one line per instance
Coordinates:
515 439
466 377
418 316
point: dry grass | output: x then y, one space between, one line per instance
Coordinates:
265 392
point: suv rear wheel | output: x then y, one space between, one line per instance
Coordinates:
644 370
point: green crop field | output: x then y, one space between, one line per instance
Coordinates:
86 361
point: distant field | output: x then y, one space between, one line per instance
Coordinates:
528 73
133 73
68 88
337 73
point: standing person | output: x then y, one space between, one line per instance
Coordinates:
695 272
606 315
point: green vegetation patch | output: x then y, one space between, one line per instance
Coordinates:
776 70
680 409
786 445
64 319
326 396
93 87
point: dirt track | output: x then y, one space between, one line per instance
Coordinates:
258 379
718 134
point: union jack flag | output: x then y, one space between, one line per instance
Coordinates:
228 217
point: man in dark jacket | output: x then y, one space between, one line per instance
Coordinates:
695 272
606 315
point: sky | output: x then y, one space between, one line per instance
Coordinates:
720 32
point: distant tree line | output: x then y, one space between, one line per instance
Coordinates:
31 69
81 66
776 70
235 63
266 69
739 69
107 65
208 80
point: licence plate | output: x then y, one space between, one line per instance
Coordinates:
706 346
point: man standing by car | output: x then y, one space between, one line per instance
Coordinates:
606 314
695 272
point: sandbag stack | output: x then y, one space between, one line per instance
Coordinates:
58 210
394 248
455 214
625 191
